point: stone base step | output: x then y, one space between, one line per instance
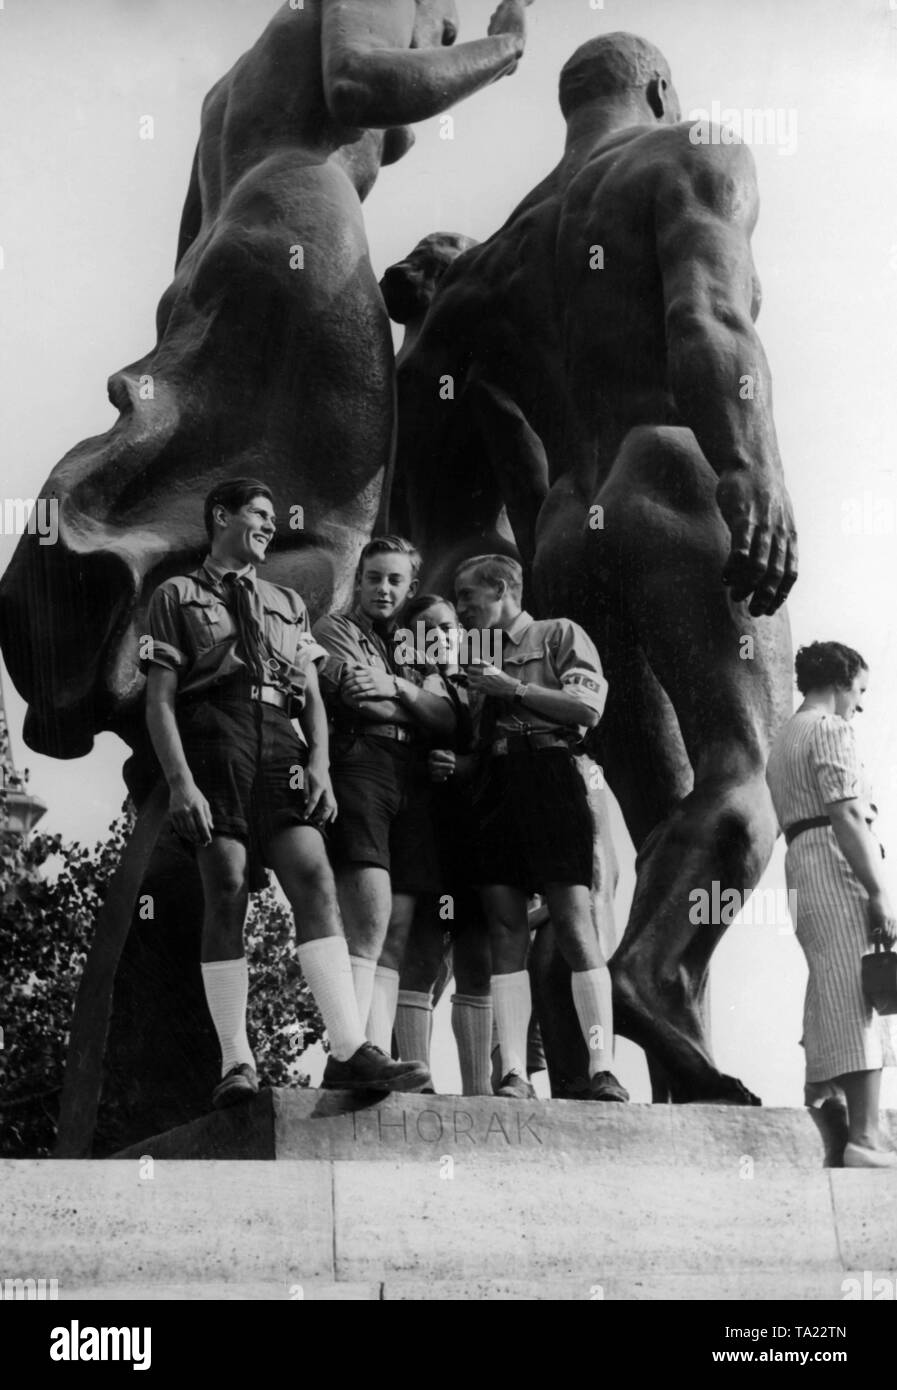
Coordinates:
485 1223
309 1124
762 1285
438 1197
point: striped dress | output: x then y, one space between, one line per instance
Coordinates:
813 761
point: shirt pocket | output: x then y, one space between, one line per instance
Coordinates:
283 627
207 621
532 659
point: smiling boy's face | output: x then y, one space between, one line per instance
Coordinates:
247 532
386 582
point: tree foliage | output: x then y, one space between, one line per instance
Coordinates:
50 893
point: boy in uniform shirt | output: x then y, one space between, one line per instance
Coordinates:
384 717
533 823
231 658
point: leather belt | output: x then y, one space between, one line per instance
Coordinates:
399 732
235 692
812 823
520 742
269 695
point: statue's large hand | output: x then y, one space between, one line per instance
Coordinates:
510 19
763 556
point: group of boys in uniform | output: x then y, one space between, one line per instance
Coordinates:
346 811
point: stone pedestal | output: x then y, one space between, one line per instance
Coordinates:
302 1194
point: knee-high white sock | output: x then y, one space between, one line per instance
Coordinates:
325 965
363 979
226 983
414 1022
593 999
472 1027
512 1005
383 1008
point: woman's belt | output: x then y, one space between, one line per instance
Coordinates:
799 826
812 823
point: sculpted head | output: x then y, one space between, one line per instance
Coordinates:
408 286
435 24
618 69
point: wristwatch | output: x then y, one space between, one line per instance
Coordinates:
519 691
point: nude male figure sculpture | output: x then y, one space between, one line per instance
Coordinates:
609 388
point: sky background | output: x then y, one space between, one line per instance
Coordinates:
88 224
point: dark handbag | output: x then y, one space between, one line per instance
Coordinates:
879 974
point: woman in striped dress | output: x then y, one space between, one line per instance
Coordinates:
834 866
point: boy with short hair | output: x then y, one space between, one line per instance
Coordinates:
384 716
534 829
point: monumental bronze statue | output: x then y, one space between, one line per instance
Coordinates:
593 368
273 357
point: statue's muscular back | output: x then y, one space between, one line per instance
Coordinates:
609 274
272 104
583 349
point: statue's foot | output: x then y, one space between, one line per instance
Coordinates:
671 1031
728 1091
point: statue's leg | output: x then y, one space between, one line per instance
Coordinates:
728 678
656 564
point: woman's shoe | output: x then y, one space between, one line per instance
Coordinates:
856 1156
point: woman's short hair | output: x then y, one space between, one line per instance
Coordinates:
389 545
232 494
494 570
823 664
421 602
